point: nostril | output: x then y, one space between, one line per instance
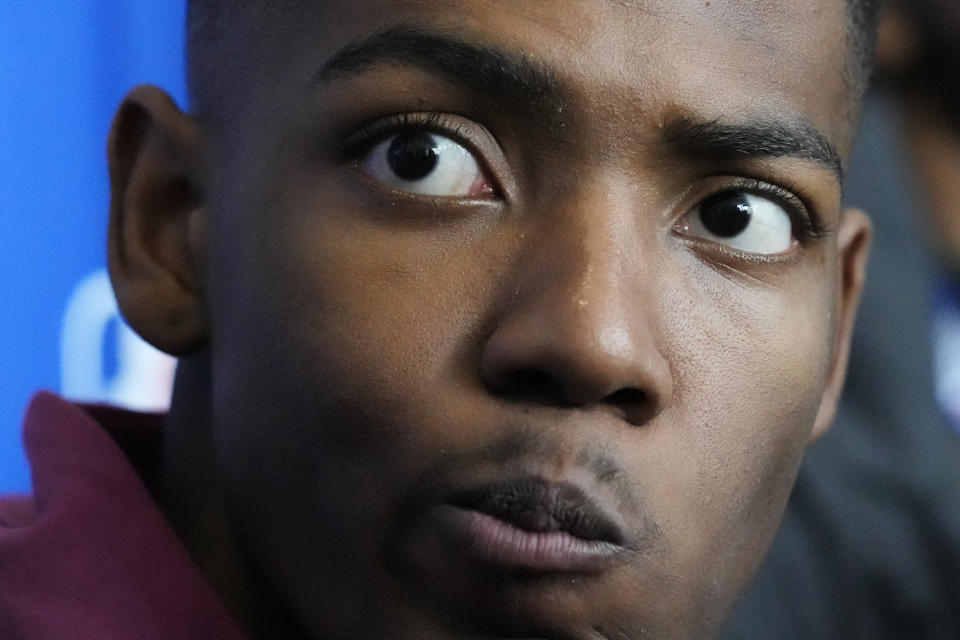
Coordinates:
636 406
627 398
531 385
534 386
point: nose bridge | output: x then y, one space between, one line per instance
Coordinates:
590 260
580 317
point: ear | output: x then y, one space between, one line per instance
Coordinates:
853 243
155 235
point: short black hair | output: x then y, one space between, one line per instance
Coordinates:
862 34
210 21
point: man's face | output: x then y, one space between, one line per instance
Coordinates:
522 313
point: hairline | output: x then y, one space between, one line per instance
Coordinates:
208 21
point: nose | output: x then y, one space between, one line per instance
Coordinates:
582 326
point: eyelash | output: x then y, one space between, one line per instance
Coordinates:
368 135
807 224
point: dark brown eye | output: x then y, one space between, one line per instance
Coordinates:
726 215
429 164
413 155
741 220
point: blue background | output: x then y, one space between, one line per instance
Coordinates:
64 67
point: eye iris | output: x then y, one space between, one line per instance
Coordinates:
413 156
726 215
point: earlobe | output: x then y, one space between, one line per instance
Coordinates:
155 235
853 248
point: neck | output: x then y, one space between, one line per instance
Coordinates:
192 497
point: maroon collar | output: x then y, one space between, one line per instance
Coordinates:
90 555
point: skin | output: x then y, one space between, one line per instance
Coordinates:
349 351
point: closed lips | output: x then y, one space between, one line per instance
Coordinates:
539 506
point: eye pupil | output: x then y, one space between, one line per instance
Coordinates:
726 215
413 156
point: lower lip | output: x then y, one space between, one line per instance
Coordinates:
492 541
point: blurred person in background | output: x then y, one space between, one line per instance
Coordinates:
870 546
921 61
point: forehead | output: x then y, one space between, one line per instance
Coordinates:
717 58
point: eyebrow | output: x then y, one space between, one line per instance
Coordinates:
503 74
754 138
527 81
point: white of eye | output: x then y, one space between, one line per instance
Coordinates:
743 221
425 163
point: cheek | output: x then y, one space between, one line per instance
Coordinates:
750 367
336 332
376 316
353 334
330 345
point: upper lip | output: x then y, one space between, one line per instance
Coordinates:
540 506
